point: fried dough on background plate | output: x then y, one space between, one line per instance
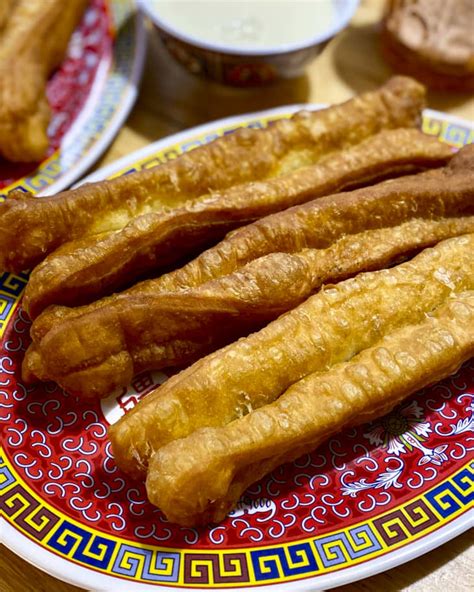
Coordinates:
32 44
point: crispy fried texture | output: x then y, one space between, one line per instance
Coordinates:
328 328
80 272
433 194
442 192
31 46
31 228
92 354
198 479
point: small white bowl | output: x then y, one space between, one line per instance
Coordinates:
245 65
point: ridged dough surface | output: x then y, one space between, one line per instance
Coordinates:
445 192
198 479
326 329
90 268
92 354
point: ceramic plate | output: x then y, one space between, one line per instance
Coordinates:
369 499
90 95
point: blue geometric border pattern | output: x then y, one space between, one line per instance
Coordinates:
13 284
31 515
81 545
11 288
280 563
450 496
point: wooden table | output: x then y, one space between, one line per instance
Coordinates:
171 100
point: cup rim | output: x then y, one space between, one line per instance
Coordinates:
343 16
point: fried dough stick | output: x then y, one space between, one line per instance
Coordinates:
435 193
430 195
90 268
31 46
32 228
328 328
198 479
137 333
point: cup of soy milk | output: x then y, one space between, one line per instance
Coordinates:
247 42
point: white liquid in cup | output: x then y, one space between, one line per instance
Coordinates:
248 23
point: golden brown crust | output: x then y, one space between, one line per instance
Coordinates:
35 40
30 228
431 40
78 273
328 328
437 194
171 329
430 195
198 479
6 7
443 192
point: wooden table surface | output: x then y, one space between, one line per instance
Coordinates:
171 100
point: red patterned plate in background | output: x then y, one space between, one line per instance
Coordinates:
90 95
368 499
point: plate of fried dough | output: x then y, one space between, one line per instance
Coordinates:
68 78
243 356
